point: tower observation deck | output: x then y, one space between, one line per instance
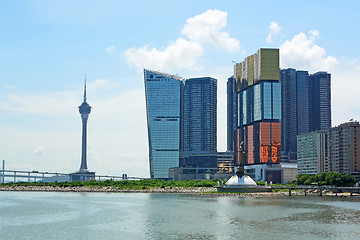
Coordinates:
83 174
84 110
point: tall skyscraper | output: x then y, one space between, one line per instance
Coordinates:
200 114
294 108
302 106
84 110
320 101
164 95
259 89
232 112
200 122
306 106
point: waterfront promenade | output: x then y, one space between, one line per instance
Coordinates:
277 190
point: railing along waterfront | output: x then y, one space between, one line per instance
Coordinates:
319 189
40 176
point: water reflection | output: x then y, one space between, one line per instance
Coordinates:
175 216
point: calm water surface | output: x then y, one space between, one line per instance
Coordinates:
39 215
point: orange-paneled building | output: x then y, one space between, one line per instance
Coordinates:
257 83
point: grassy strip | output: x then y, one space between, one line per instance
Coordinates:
126 184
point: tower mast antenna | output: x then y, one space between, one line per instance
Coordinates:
85 89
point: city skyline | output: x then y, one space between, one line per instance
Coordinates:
47 48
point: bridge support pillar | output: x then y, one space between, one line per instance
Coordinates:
305 192
320 192
289 192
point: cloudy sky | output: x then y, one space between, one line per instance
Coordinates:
46 48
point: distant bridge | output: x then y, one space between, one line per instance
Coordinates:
320 189
39 176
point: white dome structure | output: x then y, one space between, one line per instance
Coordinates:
243 181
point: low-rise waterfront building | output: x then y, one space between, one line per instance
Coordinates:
265 172
336 149
187 173
223 167
289 171
275 173
344 148
312 155
225 162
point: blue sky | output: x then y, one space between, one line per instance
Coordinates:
46 47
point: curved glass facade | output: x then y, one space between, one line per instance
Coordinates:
163 108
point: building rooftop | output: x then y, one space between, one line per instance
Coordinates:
165 74
350 123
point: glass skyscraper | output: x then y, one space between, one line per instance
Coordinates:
164 119
306 106
200 121
320 101
259 104
182 122
232 112
294 108
200 103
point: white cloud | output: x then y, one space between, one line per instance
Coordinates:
10 87
39 151
275 30
181 54
48 104
199 32
54 103
206 29
111 50
102 84
301 52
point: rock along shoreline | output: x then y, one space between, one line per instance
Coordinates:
212 191
107 189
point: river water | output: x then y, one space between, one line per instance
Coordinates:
43 215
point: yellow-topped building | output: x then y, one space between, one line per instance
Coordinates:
263 65
259 108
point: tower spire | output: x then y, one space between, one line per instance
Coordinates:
85 89
84 110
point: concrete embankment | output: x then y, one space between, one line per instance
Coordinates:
212 191
191 190
107 189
